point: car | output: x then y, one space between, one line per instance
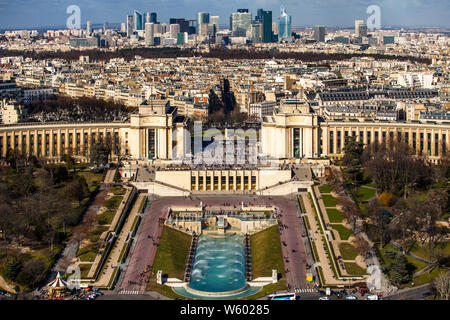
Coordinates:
352 297
324 298
426 294
303 235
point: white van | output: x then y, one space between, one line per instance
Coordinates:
372 297
328 291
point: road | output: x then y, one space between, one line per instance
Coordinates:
410 293
144 251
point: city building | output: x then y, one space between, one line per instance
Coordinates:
266 21
138 21
360 28
130 27
241 23
202 21
88 28
149 34
284 25
319 33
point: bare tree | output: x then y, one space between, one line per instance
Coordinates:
442 285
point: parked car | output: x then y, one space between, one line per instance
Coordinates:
351 297
324 298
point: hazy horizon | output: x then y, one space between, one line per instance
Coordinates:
334 13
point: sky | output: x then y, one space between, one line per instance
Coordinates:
341 13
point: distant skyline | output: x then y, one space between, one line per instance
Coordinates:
18 14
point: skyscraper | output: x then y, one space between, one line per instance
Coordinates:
147 17
129 26
258 17
214 20
266 20
184 24
202 20
174 29
123 27
319 33
284 26
149 34
256 32
137 21
153 17
88 28
241 23
360 28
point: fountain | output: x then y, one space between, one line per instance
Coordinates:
219 266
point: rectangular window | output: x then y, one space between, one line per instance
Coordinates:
436 145
429 144
338 141
296 143
444 143
331 142
421 142
151 144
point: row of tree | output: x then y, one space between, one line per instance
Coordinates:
64 108
218 52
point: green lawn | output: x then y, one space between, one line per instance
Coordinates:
348 251
335 215
344 233
326 188
422 251
92 178
172 253
164 290
418 265
87 254
268 289
118 190
113 203
84 269
94 235
266 253
426 278
353 269
329 200
106 217
364 194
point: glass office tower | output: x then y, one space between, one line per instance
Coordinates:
284 26
137 21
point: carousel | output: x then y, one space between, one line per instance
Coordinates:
58 288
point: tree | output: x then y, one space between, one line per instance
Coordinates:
442 285
400 271
350 209
32 273
362 245
379 221
12 269
68 160
396 168
99 154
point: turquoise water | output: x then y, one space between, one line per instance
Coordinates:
247 292
219 264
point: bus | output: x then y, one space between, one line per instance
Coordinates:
282 296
